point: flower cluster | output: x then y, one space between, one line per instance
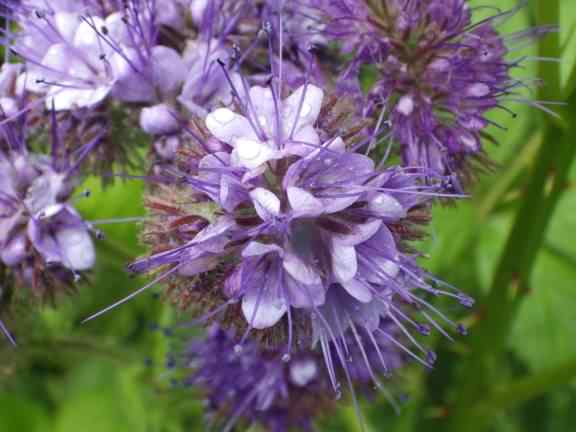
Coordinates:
42 236
273 215
438 73
287 233
256 385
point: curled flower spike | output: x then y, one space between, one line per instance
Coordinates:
261 386
274 225
43 239
438 72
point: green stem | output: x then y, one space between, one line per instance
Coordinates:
488 339
528 388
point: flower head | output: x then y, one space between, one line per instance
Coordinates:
256 385
437 74
273 225
77 54
43 239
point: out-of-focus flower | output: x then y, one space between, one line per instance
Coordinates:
78 55
256 385
438 72
43 239
206 85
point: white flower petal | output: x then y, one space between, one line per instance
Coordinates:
302 107
302 372
385 205
405 105
251 153
255 248
266 203
76 248
303 202
63 99
87 37
357 289
344 262
228 126
262 308
360 233
67 24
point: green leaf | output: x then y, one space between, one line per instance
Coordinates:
20 414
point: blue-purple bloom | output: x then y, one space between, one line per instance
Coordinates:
263 386
275 225
43 239
438 72
79 53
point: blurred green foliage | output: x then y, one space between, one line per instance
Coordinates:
510 245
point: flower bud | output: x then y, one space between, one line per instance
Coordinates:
159 120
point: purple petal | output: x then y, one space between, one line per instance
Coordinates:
386 206
359 234
304 296
303 203
76 247
199 265
228 126
358 289
263 307
14 251
255 248
300 270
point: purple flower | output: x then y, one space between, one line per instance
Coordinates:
76 56
282 229
206 84
255 385
42 236
259 385
437 74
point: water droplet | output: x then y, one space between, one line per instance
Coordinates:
286 358
238 348
431 357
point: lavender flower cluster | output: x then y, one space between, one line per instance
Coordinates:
275 215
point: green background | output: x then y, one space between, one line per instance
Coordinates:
510 245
